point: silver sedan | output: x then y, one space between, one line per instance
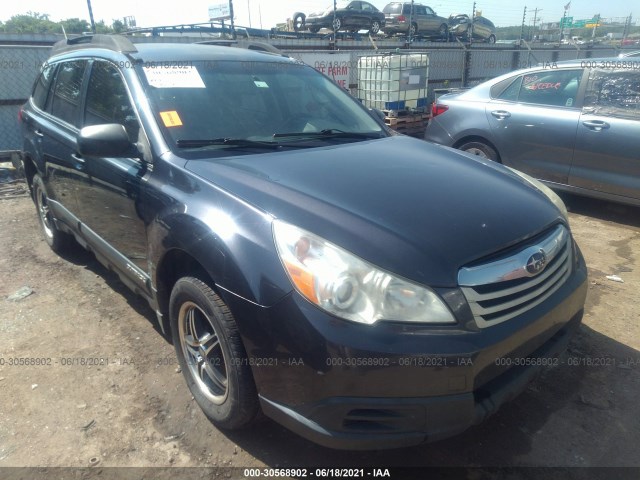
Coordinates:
574 125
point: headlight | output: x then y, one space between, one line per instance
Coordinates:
550 194
349 287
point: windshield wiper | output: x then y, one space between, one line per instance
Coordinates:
231 142
329 133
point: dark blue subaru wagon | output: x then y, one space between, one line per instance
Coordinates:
362 288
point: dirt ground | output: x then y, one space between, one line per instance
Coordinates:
110 394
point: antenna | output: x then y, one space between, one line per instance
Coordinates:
64 33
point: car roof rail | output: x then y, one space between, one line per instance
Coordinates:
116 43
248 44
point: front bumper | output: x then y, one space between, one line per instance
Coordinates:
349 386
374 423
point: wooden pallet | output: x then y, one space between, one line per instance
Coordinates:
404 112
409 118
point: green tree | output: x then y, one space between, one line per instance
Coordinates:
75 25
102 27
31 22
118 26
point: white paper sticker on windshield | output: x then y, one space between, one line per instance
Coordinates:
174 77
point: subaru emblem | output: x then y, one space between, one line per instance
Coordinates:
536 262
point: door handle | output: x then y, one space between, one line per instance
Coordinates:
596 125
500 114
77 158
38 133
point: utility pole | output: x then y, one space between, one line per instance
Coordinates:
470 30
535 18
524 18
335 32
563 22
410 34
595 27
627 27
249 9
233 26
93 24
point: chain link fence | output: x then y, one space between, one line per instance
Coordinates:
19 66
449 67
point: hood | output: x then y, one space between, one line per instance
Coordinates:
411 207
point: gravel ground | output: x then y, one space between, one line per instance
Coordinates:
112 395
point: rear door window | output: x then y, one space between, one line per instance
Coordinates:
368 7
41 88
66 95
551 88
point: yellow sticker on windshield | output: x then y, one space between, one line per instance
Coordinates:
171 119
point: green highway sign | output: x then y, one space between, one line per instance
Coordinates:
566 21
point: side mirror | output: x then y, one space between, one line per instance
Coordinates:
108 140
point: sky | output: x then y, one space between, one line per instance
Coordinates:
267 13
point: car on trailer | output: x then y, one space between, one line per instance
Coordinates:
351 16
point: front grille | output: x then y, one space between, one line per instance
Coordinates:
504 288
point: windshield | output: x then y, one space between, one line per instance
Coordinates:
224 104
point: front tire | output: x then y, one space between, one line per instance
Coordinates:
337 24
211 354
491 39
480 149
56 239
375 27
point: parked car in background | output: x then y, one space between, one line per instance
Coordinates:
250 200
633 54
483 29
351 16
574 125
630 41
422 21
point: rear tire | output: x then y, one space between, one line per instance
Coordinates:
58 240
375 27
337 24
443 31
211 355
491 39
480 149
